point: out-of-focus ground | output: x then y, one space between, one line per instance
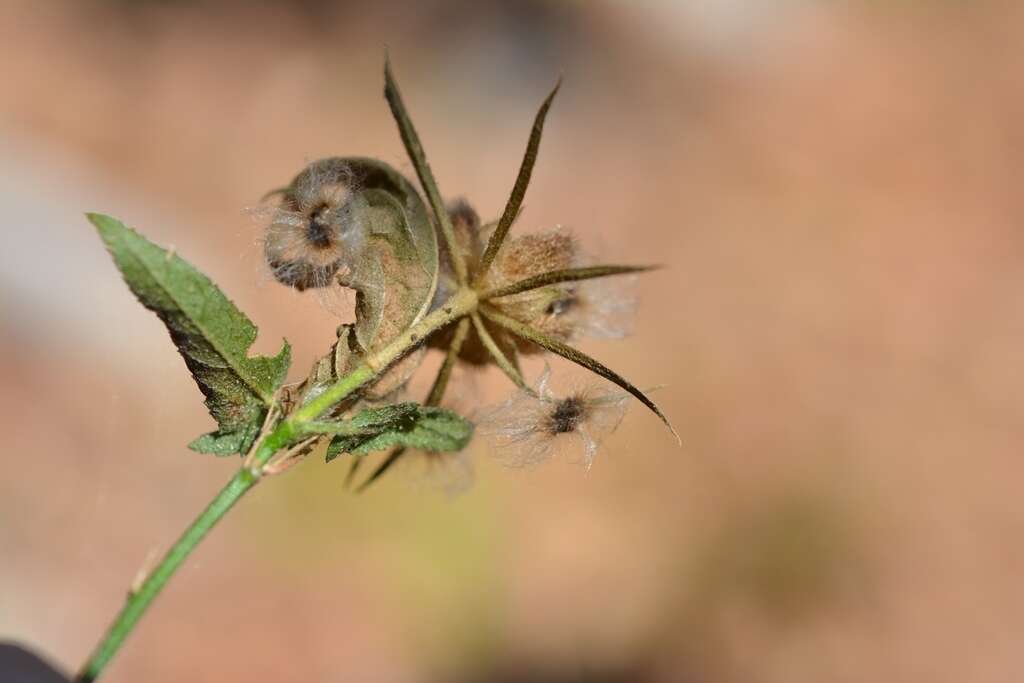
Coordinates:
835 189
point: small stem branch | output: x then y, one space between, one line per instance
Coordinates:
461 304
433 399
498 355
445 372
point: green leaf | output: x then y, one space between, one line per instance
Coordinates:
368 421
498 355
211 334
229 443
404 424
433 399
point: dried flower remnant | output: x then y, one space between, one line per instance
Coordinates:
316 230
532 427
524 257
567 311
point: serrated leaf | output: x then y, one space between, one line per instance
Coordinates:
216 443
211 334
405 424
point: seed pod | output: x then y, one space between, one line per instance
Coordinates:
317 228
544 308
531 427
358 223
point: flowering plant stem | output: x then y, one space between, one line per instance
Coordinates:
244 392
285 434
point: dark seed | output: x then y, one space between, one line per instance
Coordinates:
560 306
318 232
566 416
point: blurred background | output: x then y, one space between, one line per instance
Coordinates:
835 189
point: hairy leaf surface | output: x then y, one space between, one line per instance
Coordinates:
405 424
211 334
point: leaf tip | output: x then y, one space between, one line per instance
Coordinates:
558 85
679 439
285 354
102 222
646 400
389 74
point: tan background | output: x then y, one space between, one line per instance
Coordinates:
836 189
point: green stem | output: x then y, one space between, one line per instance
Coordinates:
281 437
498 355
461 304
140 600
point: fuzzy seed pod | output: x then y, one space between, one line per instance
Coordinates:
543 308
599 308
316 232
353 223
528 429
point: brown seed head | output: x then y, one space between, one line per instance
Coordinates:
316 230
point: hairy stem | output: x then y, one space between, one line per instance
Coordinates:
462 303
433 399
282 436
138 601
445 372
499 357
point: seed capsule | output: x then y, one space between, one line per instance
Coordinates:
316 232
530 428
599 308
